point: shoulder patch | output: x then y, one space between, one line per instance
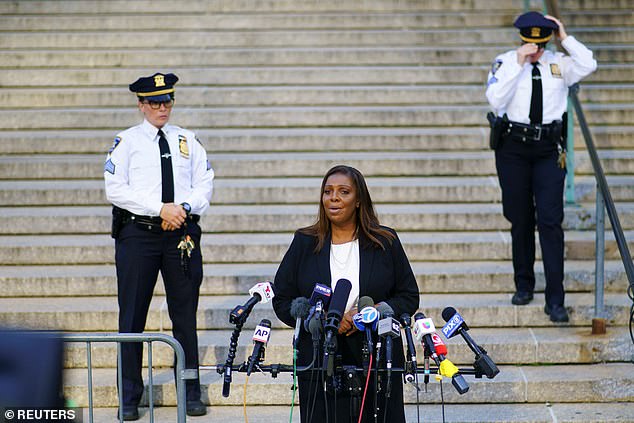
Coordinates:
109 167
116 142
495 66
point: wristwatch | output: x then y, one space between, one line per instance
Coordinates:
187 208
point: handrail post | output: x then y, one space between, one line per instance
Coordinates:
570 155
598 321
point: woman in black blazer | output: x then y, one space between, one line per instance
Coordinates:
348 242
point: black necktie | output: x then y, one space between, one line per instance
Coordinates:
536 97
167 174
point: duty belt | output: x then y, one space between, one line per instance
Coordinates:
153 223
529 133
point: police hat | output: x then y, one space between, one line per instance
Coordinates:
158 87
535 28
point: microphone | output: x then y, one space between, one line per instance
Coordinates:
423 330
388 328
321 293
319 300
366 320
410 363
441 348
260 338
333 320
300 307
456 325
262 291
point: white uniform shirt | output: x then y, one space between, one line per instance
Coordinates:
344 264
510 85
133 170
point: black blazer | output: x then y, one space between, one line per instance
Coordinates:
384 275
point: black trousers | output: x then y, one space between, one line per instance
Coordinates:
139 256
532 193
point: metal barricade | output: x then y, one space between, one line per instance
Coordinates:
182 373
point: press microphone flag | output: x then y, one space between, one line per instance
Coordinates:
321 293
262 291
456 325
260 338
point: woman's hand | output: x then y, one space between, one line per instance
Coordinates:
347 326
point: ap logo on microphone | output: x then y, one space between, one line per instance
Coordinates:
261 334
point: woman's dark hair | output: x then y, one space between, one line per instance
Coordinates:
368 227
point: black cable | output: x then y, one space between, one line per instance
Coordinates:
309 406
630 293
417 398
323 380
442 402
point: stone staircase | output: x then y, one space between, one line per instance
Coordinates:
278 93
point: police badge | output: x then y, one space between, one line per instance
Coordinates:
182 146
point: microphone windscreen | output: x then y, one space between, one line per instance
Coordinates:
315 326
365 302
300 307
384 310
340 297
419 316
448 313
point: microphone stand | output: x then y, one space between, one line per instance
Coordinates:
238 316
376 381
233 345
426 364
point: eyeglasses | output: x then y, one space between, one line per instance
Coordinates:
155 105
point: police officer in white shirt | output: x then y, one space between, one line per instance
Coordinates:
528 89
159 181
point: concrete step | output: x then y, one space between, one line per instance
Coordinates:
228 6
83 76
188 96
39 192
287 218
433 413
305 20
301 164
440 37
504 345
532 384
479 310
299 139
267 248
308 116
236 279
281 56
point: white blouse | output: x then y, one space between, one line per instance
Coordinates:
344 264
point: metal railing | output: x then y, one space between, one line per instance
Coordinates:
181 373
604 202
